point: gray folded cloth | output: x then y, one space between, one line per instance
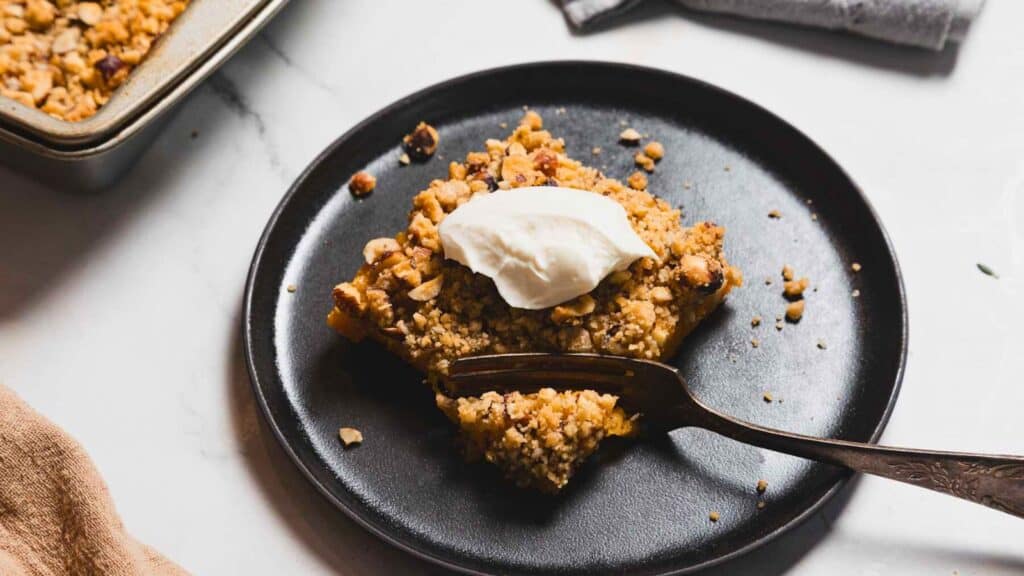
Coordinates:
922 23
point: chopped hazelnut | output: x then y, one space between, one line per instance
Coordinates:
701 273
566 313
361 184
629 137
532 120
90 13
378 248
422 142
661 294
428 290
350 436
655 150
347 297
795 311
644 161
546 162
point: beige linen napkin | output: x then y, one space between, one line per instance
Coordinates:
56 516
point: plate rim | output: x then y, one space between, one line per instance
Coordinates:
300 180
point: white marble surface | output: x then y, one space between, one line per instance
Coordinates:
119 312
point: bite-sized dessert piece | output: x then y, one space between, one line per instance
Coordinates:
431 310
537 439
66 58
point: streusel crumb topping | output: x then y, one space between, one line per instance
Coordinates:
66 57
538 439
433 310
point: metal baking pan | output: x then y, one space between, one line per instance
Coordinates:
95 152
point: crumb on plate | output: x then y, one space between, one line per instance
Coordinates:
629 137
350 436
654 150
644 161
422 142
795 311
362 183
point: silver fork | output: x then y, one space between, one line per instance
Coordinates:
659 393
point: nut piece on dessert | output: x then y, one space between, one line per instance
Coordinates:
431 311
362 183
422 142
538 440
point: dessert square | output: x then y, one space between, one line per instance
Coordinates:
431 311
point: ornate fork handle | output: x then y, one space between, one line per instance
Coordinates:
995 481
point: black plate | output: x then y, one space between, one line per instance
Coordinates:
639 507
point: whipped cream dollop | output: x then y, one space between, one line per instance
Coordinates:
542 245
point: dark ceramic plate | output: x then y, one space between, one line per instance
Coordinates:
639 507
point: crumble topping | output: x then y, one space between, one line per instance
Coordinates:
431 311
66 58
538 439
